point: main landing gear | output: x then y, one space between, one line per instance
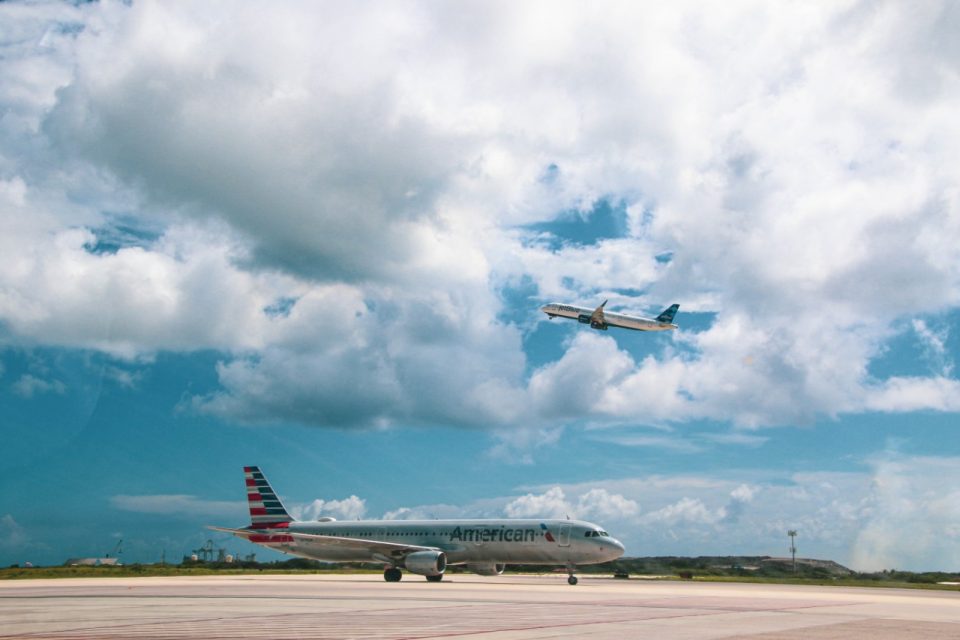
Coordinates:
392 574
571 579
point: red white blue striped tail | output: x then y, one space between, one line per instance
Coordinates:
265 507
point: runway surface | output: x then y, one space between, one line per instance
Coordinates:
364 606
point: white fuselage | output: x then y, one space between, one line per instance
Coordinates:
624 321
554 542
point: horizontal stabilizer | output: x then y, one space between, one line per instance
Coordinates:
357 544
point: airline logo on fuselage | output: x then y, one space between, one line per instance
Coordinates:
546 533
490 534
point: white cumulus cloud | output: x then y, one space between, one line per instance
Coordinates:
351 508
337 198
593 504
12 534
29 385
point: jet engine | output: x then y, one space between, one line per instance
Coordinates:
486 568
585 319
426 563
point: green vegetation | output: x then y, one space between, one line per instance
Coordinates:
187 568
757 569
728 566
767 570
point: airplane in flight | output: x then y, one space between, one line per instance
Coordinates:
424 547
600 319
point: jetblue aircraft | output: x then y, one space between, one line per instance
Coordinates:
424 547
599 319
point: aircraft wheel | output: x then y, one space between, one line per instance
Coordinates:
572 580
392 574
436 578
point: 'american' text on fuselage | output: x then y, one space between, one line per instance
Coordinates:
466 534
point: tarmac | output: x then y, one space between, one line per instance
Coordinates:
464 605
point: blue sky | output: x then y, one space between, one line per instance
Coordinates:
315 238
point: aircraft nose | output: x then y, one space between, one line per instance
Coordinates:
615 548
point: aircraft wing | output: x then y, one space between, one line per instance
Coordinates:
379 547
240 533
597 316
612 321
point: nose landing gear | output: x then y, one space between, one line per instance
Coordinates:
571 579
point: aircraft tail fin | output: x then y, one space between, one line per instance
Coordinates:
265 507
668 314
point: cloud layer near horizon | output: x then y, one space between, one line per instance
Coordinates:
894 515
337 197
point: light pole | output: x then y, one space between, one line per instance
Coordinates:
793 547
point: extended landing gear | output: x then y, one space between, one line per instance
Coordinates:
392 574
571 579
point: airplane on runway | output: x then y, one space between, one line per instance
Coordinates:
600 319
424 547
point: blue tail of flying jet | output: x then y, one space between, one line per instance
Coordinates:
265 507
668 313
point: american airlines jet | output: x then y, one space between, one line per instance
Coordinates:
424 547
600 319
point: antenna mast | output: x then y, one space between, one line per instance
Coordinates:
793 547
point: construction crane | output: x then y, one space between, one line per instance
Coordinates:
117 550
205 552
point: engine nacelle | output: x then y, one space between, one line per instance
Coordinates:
585 319
486 568
426 563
